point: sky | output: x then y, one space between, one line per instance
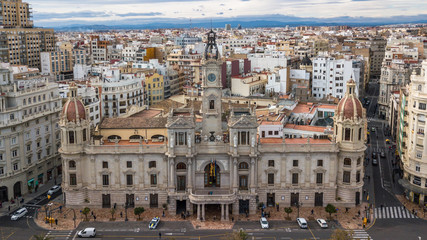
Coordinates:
66 12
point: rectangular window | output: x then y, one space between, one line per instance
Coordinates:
422 106
270 178
319 178
347 134
84 135
15 167
153 179
105 180
276 133
70 136
129 164
14 153
104 164
1 171
271 163
295 163
294 178
320 163
129 179
73 179
417 168
416 181
152 164
358 176
346 177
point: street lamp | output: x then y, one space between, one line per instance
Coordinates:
126 211
298 204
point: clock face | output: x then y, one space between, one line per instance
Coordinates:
211 77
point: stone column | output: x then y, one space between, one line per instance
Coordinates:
189 174
172 175
227 212
252 184
235 175
203 212
198 211
222 212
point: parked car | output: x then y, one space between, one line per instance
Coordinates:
374 161
87 233
372 129
302 222
322 223
18 214
374 155
53 190
264 222
153 223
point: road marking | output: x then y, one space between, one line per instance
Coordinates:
311 232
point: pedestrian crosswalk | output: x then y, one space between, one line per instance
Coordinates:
60 234
392 212
360 234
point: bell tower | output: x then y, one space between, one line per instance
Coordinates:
212 90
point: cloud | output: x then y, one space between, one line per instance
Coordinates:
360 0
150 14
91 14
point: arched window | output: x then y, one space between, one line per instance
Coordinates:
112 138
347 134
71 164
181 166
243 165
347 162
136 138
70 136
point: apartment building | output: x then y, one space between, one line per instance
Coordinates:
154 88
60 63
30 137
15 13
377 52
99 49
248 84
414 161
330 77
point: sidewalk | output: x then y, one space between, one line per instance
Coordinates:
4 211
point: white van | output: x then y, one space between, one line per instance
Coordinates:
18 214
302 222
87 233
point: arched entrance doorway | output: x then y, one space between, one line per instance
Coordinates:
3 194
212 175
17 189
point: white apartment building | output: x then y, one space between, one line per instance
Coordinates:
129 53
118 92
267 61
330 77
286 80
30 137
415 158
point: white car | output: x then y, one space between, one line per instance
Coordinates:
322 223
264 222
87 233
18 214
302 222
53 190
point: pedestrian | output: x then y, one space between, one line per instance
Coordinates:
346 210
160 235
163 215
8 209
121 214
312 211
232 219
94 218
358 212
56 221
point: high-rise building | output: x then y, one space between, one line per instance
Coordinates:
20 43
30 138
377 52
414 160
331 75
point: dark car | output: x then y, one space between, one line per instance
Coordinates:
374 155
374 161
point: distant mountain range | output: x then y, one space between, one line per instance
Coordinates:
276 20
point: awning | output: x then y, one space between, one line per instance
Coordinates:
406 184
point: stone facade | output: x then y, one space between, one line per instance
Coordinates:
214 161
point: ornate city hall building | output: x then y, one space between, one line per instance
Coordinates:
209 159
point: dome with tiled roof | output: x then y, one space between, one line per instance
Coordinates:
74 109
349 106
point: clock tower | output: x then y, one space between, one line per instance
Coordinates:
212 90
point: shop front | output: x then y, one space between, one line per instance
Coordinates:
40 179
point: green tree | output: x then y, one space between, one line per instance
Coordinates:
288 210
341 234
240 235
86 211
112 211
41 237
330 209
138 211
